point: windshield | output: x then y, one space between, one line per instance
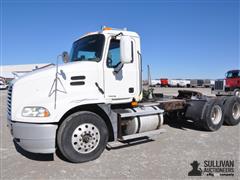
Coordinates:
233 74
88 48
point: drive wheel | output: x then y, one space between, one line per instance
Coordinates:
82 137
212 117
232 111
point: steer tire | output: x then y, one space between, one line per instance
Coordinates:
236 93
212 115
82 137
232 111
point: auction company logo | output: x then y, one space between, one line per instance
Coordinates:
212 168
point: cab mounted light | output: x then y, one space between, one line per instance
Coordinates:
35 112
107 28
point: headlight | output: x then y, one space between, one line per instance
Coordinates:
35 112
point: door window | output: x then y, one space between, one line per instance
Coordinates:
113 57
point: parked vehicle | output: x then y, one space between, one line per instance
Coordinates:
155 82
212 83
228 86
196 83
179 83
207 83
184 83
96 98
164 82
173 83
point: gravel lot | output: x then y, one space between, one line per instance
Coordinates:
167 156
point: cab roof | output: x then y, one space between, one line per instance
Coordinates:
236 70
111 31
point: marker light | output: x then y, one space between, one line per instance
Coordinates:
35 112
107 28
134 104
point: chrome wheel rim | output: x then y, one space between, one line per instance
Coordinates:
236 110
216 114
237 94
85 138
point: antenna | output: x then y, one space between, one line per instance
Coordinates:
56 78
55 84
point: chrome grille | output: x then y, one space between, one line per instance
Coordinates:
219 85
9 101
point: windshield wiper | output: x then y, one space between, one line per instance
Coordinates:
89 59
79 59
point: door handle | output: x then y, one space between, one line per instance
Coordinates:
131 90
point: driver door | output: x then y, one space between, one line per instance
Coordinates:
120 79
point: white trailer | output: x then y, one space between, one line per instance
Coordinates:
179 83
184 83
96 97
155 82
173 82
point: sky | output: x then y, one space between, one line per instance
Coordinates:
179 38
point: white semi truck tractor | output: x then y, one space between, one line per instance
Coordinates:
96 97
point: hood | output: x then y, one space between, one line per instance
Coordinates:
38 87
51 71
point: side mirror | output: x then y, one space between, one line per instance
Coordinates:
126 49
65 57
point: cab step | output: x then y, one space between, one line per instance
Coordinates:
143 134
135 139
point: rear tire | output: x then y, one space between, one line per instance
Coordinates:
212 117
82 137
232 111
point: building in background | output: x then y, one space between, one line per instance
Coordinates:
9 72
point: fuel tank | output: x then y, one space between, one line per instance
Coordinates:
142 123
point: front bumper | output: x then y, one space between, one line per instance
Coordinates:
223 93
36 138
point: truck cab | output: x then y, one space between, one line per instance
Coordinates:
232 80
94 74
228 86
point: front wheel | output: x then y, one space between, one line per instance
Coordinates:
82 137
237 93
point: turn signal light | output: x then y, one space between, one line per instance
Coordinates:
134 104
46 113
